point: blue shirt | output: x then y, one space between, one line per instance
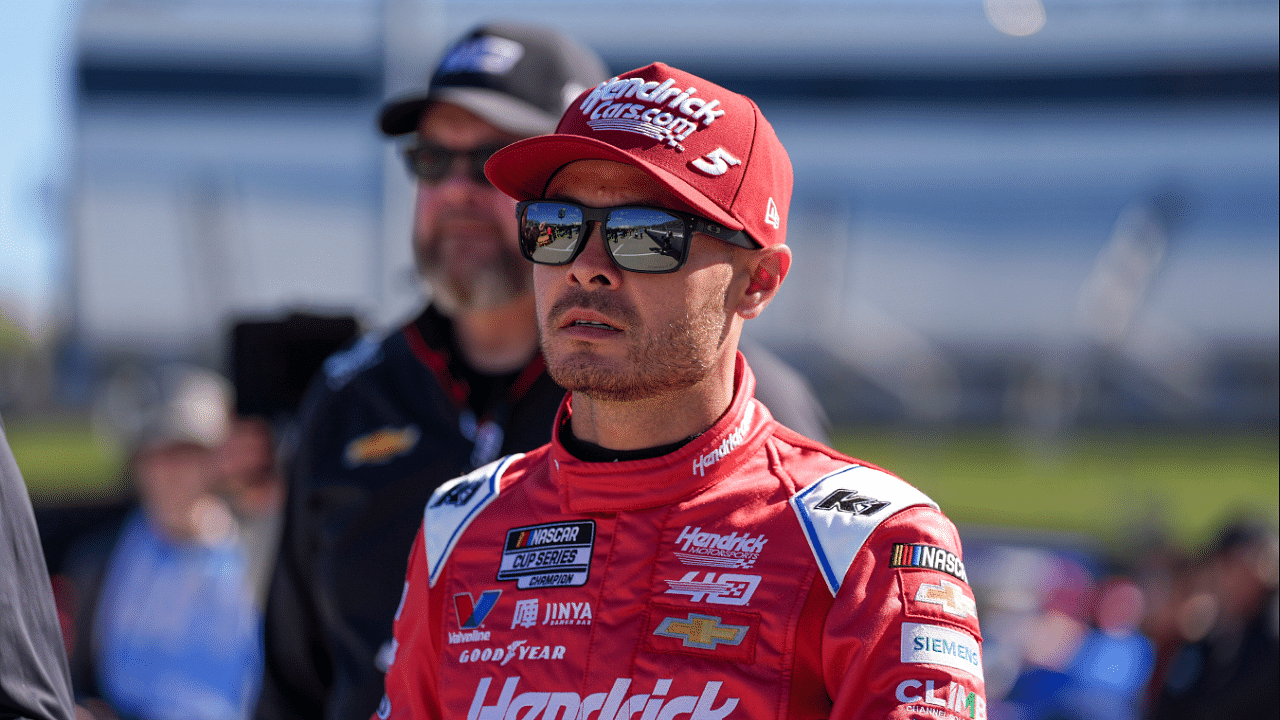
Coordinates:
179 633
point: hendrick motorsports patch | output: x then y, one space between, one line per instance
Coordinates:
551 555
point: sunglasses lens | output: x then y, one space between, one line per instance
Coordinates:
476 160
646 240
550 231
428 163
433 164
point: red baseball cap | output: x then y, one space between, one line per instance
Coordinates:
710 146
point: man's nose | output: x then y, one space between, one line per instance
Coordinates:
457 185
593 266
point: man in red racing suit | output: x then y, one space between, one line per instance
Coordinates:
743 571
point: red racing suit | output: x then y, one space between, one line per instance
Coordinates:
753 573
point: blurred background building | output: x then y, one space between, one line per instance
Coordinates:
1017 211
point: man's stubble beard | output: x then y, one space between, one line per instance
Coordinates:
674 358
493 284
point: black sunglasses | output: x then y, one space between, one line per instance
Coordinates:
433 163
639 239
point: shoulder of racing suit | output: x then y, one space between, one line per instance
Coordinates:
840 510
454 505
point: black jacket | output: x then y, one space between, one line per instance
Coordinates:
382 426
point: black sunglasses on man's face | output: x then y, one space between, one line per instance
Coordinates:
637 238
432 163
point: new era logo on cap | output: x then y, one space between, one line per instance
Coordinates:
710 146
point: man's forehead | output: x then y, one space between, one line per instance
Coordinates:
609 181
451 124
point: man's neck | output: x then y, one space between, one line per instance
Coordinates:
658 420
498 340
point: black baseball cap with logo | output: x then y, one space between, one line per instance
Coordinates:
519 78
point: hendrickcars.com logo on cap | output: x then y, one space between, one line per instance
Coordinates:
633 105
710 146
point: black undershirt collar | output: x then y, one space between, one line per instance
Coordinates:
591 452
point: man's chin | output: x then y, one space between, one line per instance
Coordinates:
588 374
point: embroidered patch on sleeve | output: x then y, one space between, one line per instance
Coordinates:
934 597
841 510
452 508
931 644
929 557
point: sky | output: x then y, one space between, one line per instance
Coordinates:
34 126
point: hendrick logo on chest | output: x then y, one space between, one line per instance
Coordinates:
734 550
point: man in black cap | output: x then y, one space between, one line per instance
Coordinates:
395 415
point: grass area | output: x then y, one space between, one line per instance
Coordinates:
60 459
1107 485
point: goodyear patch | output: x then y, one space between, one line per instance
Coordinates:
380 446
550 555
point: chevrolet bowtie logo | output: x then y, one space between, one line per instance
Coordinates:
701 631
950 597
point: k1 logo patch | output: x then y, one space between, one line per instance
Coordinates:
460 494
550 555
849 501
719 634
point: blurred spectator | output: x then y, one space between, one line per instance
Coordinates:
1113 661
253 485
1059 643
33 665
1174 639
1166 576
1228 665
168 627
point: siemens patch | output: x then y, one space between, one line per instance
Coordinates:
937 645
551 555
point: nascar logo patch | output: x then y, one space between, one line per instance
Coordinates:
928 557
551 555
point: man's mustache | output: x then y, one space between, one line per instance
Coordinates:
605 303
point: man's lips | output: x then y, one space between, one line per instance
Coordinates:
577 318
591 315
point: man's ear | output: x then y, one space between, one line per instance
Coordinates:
766 269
